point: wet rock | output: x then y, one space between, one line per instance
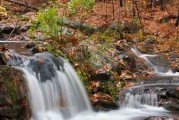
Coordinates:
103 75
13 95
37 49
2 59
144 48
175 69
31 44
102 101
174 94
174 55
24 28
21 38
160 118
131 63
163 95
1 35
119 68
6 28
150 40
173 105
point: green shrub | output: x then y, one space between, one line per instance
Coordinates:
79 5
46 22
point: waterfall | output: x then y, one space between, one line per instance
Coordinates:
56 93
158 70
54 87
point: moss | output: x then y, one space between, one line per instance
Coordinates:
11 85
108 87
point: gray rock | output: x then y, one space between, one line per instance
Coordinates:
103 75
130 62
21 38
64 21
31 44
102 101
150 40
5 28
24 28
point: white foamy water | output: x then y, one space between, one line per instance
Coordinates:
126 113
138 100
155 69
54 88
56 93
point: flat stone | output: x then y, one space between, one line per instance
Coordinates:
6 28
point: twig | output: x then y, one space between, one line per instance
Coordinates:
12 30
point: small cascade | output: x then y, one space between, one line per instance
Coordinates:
138 100
151 61
54 88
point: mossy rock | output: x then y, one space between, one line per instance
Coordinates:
13 95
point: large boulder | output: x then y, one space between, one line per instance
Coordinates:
102 101
13 95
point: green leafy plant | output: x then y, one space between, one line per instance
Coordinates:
46 22
83 6
53 48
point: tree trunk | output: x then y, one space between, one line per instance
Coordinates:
113 8
161 5
121 3
118 20
133 8
150 3
177 21
137 9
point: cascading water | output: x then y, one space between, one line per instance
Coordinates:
56 93
54 88
137 100
158 70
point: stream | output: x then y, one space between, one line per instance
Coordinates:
56 92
